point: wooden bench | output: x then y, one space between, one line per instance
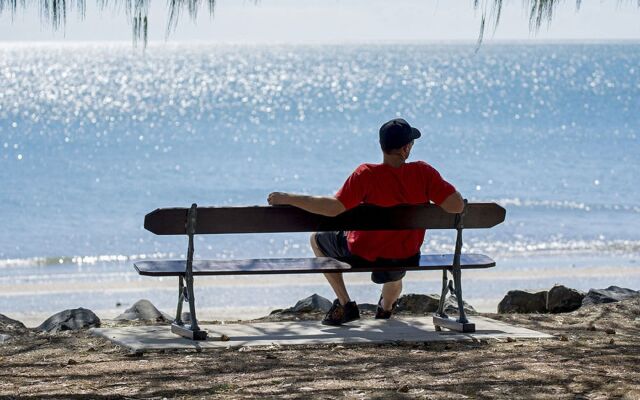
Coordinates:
227 220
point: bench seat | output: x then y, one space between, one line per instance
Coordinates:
299 265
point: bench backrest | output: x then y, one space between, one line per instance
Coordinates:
220 220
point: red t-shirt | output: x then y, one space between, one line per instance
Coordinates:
383 185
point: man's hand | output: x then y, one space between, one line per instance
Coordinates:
278 198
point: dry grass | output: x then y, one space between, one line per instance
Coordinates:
586 360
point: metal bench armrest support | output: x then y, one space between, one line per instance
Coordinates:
191 331
440 318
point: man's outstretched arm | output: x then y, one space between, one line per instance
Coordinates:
453 203
328 206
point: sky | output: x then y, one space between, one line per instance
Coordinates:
336 21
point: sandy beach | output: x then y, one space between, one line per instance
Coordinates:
593 355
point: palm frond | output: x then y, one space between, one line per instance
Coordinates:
54 12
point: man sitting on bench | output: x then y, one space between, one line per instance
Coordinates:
391 183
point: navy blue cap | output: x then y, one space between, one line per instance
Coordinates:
397 133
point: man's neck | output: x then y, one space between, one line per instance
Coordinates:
393 160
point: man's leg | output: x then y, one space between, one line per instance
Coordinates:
390 293
335 278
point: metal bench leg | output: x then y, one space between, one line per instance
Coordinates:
178 319
440 319
443 294
457 281
192 331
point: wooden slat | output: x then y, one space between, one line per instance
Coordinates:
212 220
299 265
242 267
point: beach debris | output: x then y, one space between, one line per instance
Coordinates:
523 301
427 304
563 299
403 388
611 294
143 310
4 338
10 325
224 338
70 320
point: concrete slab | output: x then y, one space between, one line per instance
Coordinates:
404 329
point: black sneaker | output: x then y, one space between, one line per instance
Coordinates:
339 314
381 313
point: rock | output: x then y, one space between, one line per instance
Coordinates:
313 303
427 304
143 310
563 299
610 331
10 325
611 294
368 307
523 301
75 319
451 305
186 317
4 338
418 303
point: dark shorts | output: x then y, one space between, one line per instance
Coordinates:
334 244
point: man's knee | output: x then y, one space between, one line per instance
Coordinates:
383 277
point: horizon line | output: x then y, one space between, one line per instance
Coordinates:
532 41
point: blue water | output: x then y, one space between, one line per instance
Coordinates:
92 137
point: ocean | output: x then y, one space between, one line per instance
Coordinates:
94 136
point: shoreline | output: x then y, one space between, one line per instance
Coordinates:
36 296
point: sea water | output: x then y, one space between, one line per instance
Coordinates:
94 136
